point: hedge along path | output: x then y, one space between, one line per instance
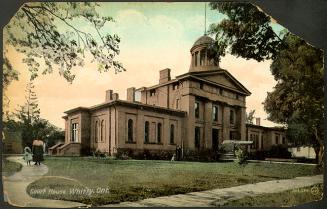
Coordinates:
15 186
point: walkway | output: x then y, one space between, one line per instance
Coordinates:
15 187
218 197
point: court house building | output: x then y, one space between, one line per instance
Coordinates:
196 111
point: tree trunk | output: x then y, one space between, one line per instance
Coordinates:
320 151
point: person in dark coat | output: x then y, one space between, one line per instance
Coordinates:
178 153
37 151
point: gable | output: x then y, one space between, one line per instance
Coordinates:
225 79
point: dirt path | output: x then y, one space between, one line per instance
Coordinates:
218 197
15 186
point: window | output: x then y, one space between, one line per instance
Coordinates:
231 117
130 130
237 97
220 91
283 140
202 57
152 92
74 132
276 139
196 59
197 137
146 132
201 85
159 132
196 109
177 103
261 141
172 134
102 131
96 131
175 86
215 113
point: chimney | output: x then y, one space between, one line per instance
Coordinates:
164 76
257 121
131 94
109 95
115 96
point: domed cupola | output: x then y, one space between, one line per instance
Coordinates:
199 51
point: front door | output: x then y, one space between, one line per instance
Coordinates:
215 139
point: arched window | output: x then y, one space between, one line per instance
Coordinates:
130 130
159 133
146 132
172 133
96 131
102 130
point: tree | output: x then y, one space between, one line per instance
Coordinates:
47 34
297 67
297 99
28 115
246 31
250 117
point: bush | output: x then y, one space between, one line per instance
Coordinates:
279 151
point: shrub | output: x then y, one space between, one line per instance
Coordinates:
279 151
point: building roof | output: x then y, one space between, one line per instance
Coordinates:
203 40
276 128
136 105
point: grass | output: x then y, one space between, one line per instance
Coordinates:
9 167
283 199
131 180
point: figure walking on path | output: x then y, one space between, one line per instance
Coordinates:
37 150
28 155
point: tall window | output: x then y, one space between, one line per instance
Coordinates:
197 137
159 133
96 131
74 132
130 130
102 131
146 132
231 117
196 58
172 134
152 92
197 109
177 103
215 113
202 57
277 139
261 141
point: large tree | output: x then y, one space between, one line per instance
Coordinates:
297 67
49 35
297 99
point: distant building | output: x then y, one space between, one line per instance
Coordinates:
265 137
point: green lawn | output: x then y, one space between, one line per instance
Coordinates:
9 167
131 180
283 199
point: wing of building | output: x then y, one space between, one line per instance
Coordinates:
195 111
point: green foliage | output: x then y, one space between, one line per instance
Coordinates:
297 99
47 34
246 31
241 156
27 120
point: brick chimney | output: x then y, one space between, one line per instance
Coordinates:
164 75
257 121
115 96
109 95
131 94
